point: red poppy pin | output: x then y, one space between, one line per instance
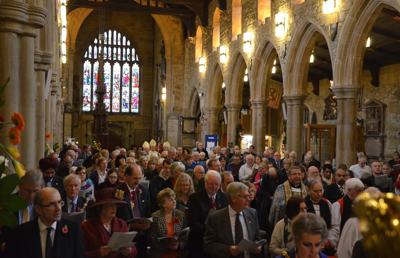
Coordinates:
79 209
176 221
140 191
65 229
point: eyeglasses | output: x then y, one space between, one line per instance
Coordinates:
30 191
244 196
53 205
304 209
295 175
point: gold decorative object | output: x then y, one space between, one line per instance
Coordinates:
379 222
119 194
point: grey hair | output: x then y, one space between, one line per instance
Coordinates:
353 183
177 166
313 182
372 190
171 149
214 174
308 223
33 177
234 189
71 177
294 153
308 157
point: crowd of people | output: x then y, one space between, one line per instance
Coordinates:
298 205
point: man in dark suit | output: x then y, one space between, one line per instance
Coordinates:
138 198
48 166
335 191
227 227
200 148
200 205
28 186
72 201
48 235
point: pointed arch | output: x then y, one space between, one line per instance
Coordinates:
295 73
354 33
199 44
234 84
236 18
216 30
214 91
264 11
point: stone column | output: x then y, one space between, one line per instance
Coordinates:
259 122
211 113
18 24
233 119
346 130
295 127
40 140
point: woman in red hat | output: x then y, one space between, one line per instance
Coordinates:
98 229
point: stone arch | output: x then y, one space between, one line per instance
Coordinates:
214 90
260 74
199 44
236 18
263 10
194 97
353 34
295 73
234 84
216 30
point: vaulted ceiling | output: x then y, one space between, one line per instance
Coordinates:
186 10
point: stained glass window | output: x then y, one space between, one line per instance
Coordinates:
121 74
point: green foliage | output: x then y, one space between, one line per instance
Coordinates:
8 184
9 203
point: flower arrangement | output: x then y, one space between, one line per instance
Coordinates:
239 133
10 203
97 145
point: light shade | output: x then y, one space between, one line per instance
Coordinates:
368 42
64 34
274 69
312 57
280 24
64 48
63 13
223 85
164 90
328 6
222 54
247 39
164 96
64 59
202 64
246 76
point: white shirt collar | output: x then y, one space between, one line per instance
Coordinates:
69 200
130 189
212 196
43 227
232 212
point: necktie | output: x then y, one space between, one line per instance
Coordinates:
238 230
342 190
25 216
73 206
49 245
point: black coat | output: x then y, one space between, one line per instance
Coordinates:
332 193
58 184
199 209
25 241
80 203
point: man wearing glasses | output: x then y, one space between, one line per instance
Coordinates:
28 186
227 227
292 187
48 235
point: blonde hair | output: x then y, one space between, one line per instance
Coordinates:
177 187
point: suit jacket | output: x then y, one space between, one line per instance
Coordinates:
199 209
218 237
332 193
25 241
159 229
58 184
80 204
126 212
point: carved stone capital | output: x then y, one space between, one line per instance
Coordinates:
259 103
233 107
295 99
346 91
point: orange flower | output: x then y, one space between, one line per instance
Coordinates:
13 136
17 119
47 136
14 153
19 168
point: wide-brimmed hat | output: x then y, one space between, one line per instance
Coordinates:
107 196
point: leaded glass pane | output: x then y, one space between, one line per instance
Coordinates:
128 54
128 43
125 88
105 53
95 52
115 54
115 38
119 54
135 89
95 81
105 38
116 87
137 57
109 37
123 54
124 40
119 38
90 52
85 56
133 54
109 53
95 41
87 85
107 85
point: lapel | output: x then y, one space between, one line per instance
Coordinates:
139 198
34 239
66 204
220 200
226 223
79 203
250 224
59 240
127 199
206 204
